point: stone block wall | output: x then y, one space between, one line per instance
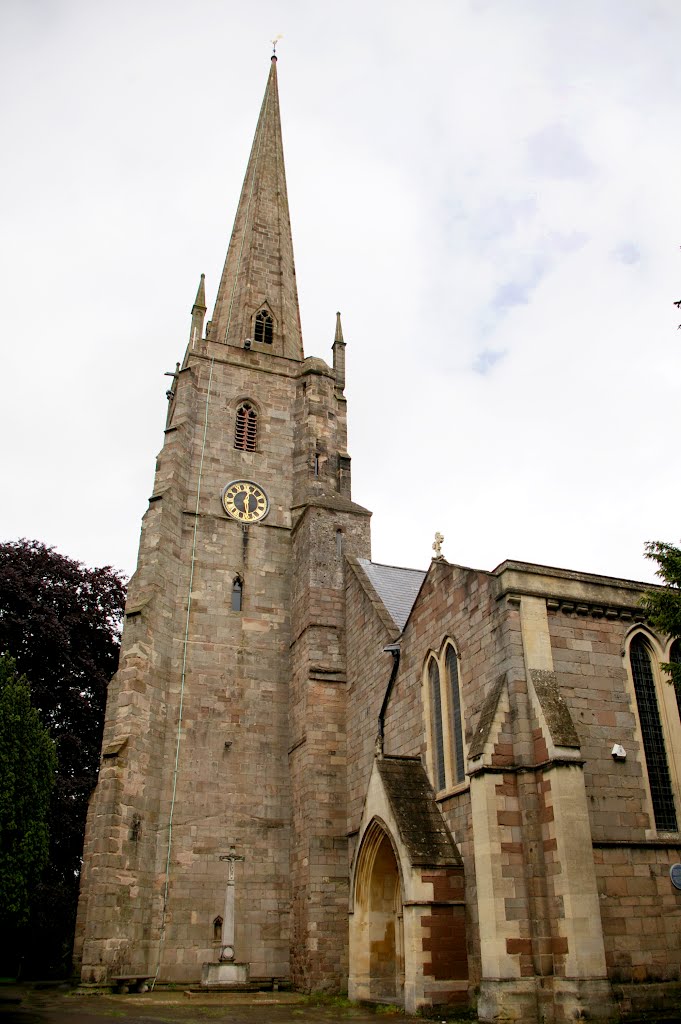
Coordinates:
460 604
230 682
444 938
369 628
637 900
640 912
590 666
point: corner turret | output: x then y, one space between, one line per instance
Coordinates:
198 313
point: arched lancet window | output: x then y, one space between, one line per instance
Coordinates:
237 594
436 729
444 719
217 929
452 667
263 327
652 735
675 659
246 428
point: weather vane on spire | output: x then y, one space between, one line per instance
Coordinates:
274 45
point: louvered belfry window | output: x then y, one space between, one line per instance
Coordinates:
263 327
246 429
652 735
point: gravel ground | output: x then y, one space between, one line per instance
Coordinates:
30 1005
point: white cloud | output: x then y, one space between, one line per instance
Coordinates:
488 192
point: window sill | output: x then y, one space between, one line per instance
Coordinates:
447 794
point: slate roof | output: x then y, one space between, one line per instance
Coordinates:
396 587
419 820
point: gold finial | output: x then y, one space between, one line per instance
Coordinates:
437 545
274 45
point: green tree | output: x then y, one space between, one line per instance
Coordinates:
27 766
61 621
663 606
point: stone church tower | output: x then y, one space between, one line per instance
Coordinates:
224 733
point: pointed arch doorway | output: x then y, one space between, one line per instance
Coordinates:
407 908
378 921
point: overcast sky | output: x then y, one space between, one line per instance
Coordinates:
487 189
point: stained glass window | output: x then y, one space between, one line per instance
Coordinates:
452 664
436 724
652 734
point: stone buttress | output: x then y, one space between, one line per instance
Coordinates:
327 526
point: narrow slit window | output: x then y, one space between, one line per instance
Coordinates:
436 725
652 735
246 428
237 594
263 328
339 542
452 665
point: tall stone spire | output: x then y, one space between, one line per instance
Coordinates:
257 297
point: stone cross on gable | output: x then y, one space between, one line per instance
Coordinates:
227 951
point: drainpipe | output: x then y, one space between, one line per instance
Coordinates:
393 649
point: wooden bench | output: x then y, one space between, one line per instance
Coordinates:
131 982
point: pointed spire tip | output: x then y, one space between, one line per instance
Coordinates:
200 300
339 330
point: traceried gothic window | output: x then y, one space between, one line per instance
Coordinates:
263 327
246 428
675 659
444 719
652 734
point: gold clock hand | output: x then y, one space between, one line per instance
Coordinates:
247 500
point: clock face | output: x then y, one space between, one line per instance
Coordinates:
245 501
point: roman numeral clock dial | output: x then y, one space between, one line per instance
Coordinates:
245 501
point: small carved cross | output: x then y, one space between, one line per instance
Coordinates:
437 545
232 857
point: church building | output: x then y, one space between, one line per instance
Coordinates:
424 788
